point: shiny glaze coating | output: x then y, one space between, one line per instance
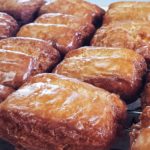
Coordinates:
140 135
132 35
8 26
15 68
22 10
127 13
129 4
74 22
41 51
61 37
123 11
4 92
59 113
87 11
116 70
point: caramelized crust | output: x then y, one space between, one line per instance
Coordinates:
132 35
116 70
8 26
4 92
15 68
59 113
140 137
87 11
61 37
22 10
41 51
71 21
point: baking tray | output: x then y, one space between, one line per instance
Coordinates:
122 142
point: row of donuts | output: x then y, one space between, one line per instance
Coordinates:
43 41
126 25
51 111
107 63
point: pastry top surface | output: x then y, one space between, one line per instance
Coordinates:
132 35
43 53
52 96
15 68
22 10
71 21
8 26
79 8
60 36
99 61
128 4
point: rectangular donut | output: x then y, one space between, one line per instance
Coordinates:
22 10
131 35
54 112
129 4
88 12
74 22
42 52
117 70
61 37
15 68
131 11
8 26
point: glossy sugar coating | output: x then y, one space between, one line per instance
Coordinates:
117 70
22 10
74 22
42 52
55 112
8 26
127 11
61 37
15 68
89 12
132 35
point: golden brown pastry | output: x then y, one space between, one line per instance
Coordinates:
22 10
59 113
41 51
132 35
8 26
87 11
116 70
146 96
15 68
74 22
61 37
127 14
129 4
123 11
140 135
4 92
